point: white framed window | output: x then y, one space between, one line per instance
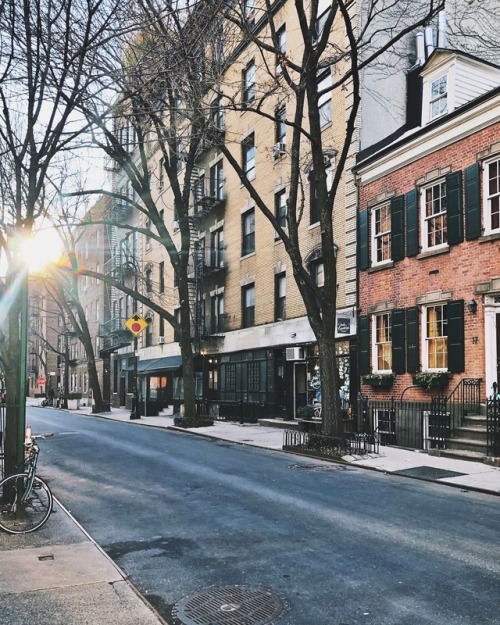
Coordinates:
434 233
438 97
435 337
491 192
382 343
381 234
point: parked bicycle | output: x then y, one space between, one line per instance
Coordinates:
26 501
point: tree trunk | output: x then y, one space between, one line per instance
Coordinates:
187 353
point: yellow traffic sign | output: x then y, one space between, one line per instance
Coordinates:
136 324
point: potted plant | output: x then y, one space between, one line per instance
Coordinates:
431 379
305 412
73 400
378 379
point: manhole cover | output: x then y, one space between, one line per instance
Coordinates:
231 605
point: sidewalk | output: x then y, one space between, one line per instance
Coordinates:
59 576
415 464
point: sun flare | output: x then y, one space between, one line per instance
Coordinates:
42 248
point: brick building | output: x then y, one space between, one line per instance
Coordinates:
429 246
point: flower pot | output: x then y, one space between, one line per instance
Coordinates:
73 404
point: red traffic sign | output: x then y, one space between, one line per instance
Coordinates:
41 381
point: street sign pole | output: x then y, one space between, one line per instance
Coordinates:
136 324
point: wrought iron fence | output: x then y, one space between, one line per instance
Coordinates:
328 446
493 424
420 425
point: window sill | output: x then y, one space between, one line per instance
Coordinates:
245 256
381 267
316 224
430 253
487 238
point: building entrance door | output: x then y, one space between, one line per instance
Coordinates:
492 345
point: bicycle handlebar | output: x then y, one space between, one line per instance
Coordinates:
35 437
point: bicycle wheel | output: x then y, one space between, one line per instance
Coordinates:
22 512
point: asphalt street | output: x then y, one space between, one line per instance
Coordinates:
338 545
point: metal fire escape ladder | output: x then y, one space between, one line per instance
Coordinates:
195 283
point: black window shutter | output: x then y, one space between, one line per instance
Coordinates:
472 203
454 209
412 247
397 228
412 340
456 341
364 345
363 258
398 341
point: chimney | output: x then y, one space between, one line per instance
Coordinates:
420 49
429 41
442 30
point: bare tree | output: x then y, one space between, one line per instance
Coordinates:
159 115
47 52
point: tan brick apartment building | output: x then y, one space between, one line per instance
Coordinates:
429 242
254 339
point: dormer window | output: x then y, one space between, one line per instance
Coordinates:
439 97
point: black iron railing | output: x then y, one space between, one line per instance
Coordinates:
327 446
493 424
420 425
464 400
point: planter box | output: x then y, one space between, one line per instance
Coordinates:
440 381
385 381
73 404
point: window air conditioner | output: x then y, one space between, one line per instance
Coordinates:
161 340
278 150
295 353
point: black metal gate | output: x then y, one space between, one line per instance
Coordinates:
493 424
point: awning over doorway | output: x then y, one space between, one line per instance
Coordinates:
157 365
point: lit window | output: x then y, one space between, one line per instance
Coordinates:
382 338
434 219
439 97
436 337
381 233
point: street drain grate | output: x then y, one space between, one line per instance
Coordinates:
231 605
318 467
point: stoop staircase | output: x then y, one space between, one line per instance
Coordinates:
469 441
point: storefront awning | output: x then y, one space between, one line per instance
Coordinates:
157 365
